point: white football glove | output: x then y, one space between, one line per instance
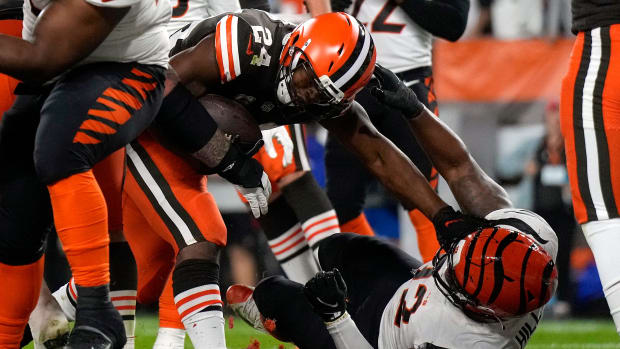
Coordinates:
281 135
257 197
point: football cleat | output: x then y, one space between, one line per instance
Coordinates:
98 325
48 324
239 298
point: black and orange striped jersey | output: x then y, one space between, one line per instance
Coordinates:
248 47
590 14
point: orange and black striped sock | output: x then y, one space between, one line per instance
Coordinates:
18 300
425 232
358 225
80 216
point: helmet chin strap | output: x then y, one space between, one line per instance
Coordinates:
282 93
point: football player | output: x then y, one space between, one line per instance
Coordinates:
286 89
403 34
119 58
486 291
589 116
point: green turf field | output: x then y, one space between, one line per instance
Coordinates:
570 334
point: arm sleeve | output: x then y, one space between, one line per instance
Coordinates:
443 18
113 3
232 36
346 335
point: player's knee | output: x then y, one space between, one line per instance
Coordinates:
52 165
204 250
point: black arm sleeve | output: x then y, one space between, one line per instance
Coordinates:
443 18
185 121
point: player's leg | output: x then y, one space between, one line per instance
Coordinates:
372 269
173 198
347 186
171 332
302 192
123 274
289 316
589 114
287 241
25 217
103 106
299 214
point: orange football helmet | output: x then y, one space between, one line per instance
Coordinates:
337 52
496 273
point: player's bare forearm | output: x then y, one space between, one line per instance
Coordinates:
474 190
385 161
214 151
65 33
318 7
197 67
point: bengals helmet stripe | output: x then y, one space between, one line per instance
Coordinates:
482 265
472 247
499 274
522 291
226 48
544 287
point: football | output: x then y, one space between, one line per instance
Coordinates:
234 120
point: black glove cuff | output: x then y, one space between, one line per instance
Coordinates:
414 110
240 169
442 220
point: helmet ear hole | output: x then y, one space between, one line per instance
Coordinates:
340 49
330 66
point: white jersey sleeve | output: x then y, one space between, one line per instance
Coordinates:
217 7
113 3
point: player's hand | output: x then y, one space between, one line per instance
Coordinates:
393 92
452 226
282 136
249 178
258 196
327 293
340 5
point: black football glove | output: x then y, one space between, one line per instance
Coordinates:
452 226
393 93
247 174
340 5
327 293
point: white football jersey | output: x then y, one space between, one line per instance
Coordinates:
140 36
428 316
401 44
190 12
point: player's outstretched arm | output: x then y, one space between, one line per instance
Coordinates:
474 190
65 33
384 160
